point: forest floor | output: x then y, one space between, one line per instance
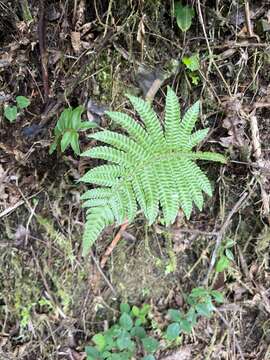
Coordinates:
69 53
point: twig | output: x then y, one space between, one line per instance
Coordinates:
259 160
248 22
102 273
113 244
42 49
15 206
221 233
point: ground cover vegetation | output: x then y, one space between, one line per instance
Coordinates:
134 179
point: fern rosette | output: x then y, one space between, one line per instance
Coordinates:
152 168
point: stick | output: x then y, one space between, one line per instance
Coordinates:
42 49
113 244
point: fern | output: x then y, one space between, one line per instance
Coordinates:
151 168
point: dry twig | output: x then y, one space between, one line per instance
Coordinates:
113 244
42 48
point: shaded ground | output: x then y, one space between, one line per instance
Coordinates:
51 300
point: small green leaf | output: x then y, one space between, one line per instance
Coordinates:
175 315
150 344
145 309
125 321
195 79
191 316
203 309
92 353
52 147
173 331
100 341
218 296
229 243
148 357
22 102
124 308
124 342
88 125
184 16
65 141
64 121
199 292
76 114
191 62
222 264
138 331
11 112
186 326
138 322
74 142
135 311
109 338
229 254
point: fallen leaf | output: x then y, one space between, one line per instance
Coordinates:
76 41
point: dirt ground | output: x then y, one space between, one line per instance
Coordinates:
77 52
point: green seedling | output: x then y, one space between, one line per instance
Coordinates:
200 302
67 129
11 112
121 340
225 256
192 64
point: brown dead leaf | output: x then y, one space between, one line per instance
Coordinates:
141 31
76 41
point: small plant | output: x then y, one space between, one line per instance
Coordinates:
120 341
201 304
184 15
192 64
153 168
67 129
11 112
225 256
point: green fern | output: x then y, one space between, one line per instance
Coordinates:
151 168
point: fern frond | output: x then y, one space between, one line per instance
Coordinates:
135 130
168 195
96 221
121 142
188 123
206 155
106 175
96 193
185 201
109 154
149 168
197 137
149 184
95 202
150 119
130 201
202 179
172 118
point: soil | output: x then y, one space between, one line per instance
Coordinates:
91 53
